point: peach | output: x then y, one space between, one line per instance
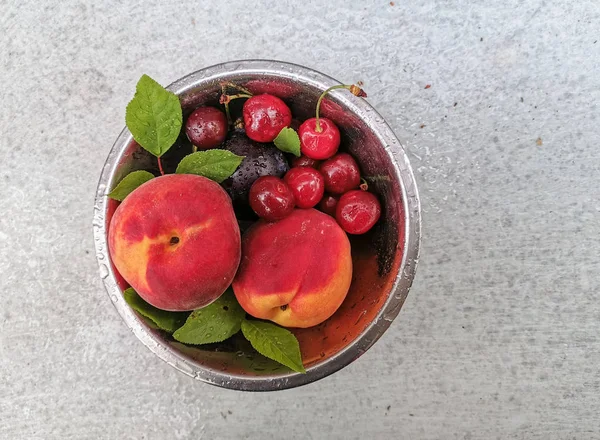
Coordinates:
295 272
176 241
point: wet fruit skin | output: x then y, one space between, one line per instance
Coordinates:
304 161
321 144
357 211
328 204
206 127
341 173
307 186
265 116
271 198
176 241
260 160
295 272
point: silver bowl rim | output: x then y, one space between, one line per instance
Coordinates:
400 288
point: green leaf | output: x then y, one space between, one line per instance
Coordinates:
216 165
154 116
288 141
168 321
274 342
130 182
214 323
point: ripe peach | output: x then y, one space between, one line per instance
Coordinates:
176 241
295 272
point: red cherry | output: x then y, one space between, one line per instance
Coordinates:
271 198
307 185
265 116
319 142
328 205
357 211
304 161
206 127
341 173
320 137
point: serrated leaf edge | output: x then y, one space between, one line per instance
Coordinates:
121 181
144 313
129 112
297 137
293 362
201 153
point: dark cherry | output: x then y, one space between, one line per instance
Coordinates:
320 137
328 204
307 185
206 127
271 198
304 161
357 211
320 142
341 173
265 116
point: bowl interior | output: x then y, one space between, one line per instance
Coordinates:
377 255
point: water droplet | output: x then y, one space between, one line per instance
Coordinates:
103 271
114 298
239 353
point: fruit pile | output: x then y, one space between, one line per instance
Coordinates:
176 239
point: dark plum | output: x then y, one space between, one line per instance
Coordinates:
260 160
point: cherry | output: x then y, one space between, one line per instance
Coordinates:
304 161
307 185
328 204
271 198
320 137
206 127
265 116
341 173
319 144
357 211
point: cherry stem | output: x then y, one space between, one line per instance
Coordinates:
226 99
162 173
234 86
354 89
228 114
229 98
363 184
194 148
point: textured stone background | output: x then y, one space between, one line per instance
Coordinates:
499 337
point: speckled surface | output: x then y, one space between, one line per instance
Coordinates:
499 337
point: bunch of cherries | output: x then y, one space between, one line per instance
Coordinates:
320 177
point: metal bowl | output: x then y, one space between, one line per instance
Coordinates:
384 259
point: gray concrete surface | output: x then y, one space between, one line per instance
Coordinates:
499 338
